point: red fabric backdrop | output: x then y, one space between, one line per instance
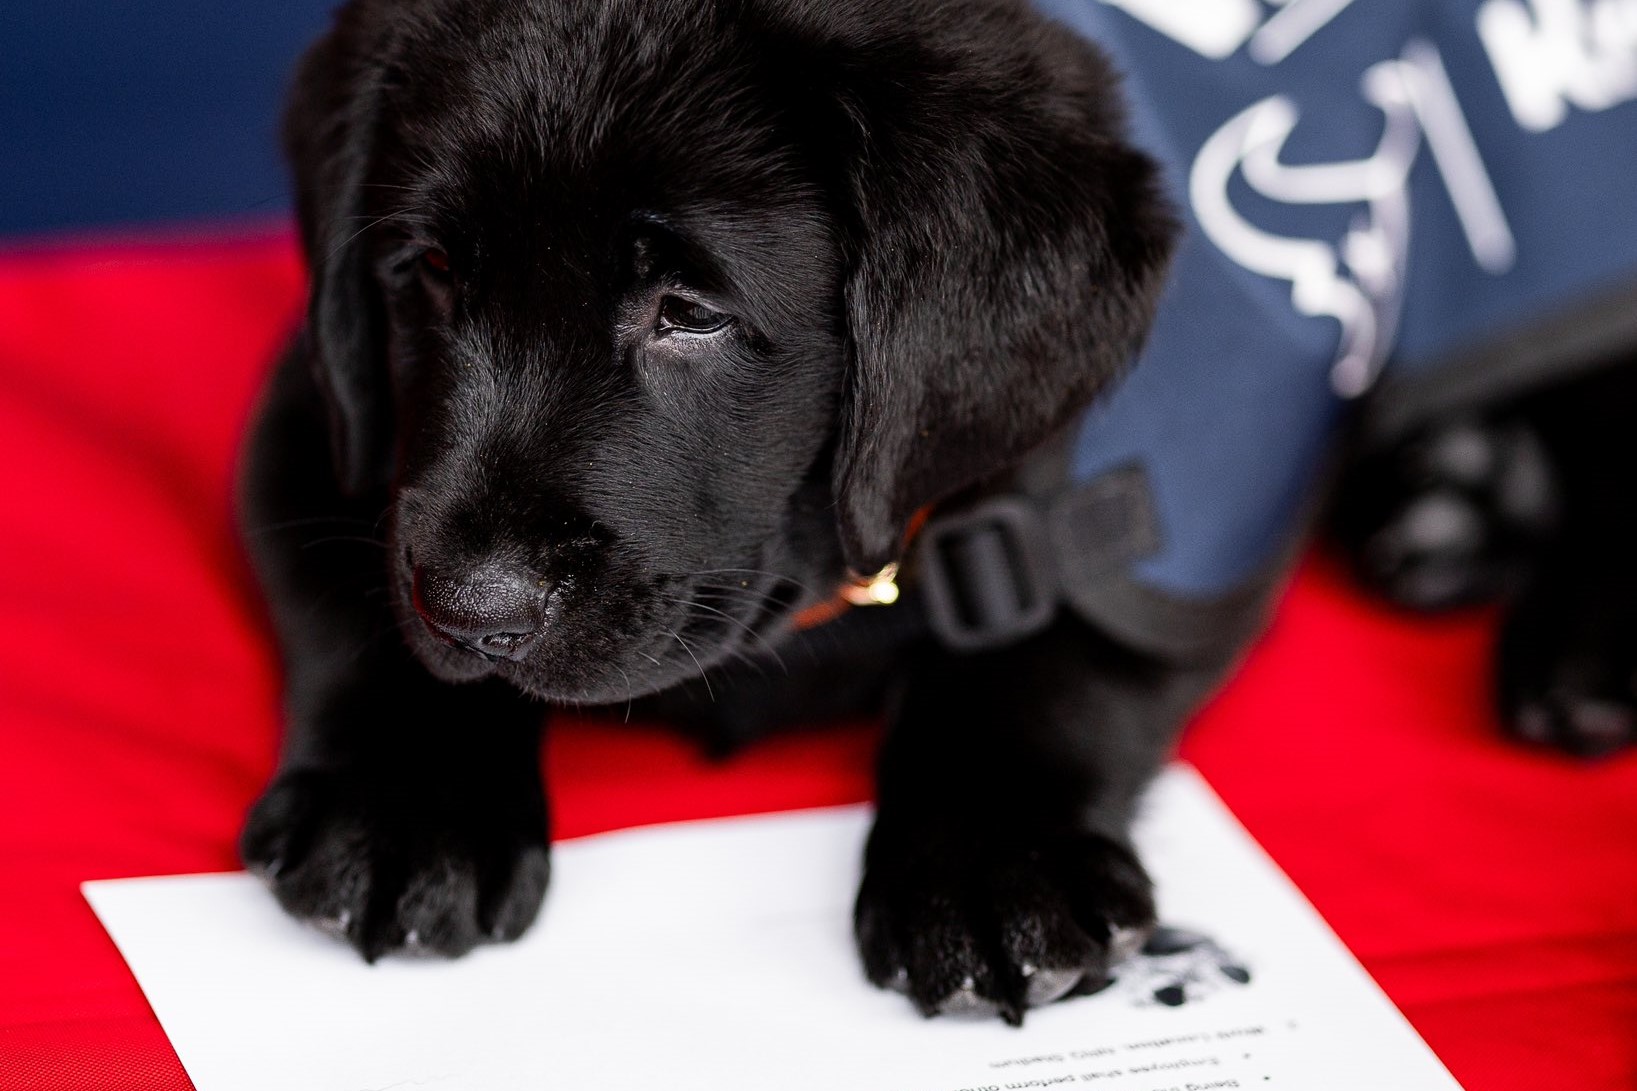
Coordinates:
1491 891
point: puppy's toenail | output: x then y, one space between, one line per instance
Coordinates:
966 1001
1125 942
334 926
1046 986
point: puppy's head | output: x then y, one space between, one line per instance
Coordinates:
654 319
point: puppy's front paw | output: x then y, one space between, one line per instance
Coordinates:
966 922
390 862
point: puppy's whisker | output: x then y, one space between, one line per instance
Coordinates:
757 572
747 605
752 633
409 214
757 665
711 693
734 593
630 692
762 572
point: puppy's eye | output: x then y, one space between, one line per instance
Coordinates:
678 315
435 263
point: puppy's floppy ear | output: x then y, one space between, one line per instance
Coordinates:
1009 249
329 128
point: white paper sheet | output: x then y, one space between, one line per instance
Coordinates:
717 956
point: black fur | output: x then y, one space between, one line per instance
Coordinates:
1527 500
484 477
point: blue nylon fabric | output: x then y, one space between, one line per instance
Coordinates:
1232 405
132 112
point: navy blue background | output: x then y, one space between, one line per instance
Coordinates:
127 113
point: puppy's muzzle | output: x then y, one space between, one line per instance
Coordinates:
495 610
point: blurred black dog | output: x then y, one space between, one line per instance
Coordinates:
1529 497
634 328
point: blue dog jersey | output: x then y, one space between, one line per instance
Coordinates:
1368 186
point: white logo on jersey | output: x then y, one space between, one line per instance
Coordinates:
1553 54
1217 28
1359 279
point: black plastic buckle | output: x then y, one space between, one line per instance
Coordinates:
986 574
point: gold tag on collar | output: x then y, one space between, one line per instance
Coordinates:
880 589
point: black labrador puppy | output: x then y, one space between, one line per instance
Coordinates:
635 329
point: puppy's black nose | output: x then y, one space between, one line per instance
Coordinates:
495 610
